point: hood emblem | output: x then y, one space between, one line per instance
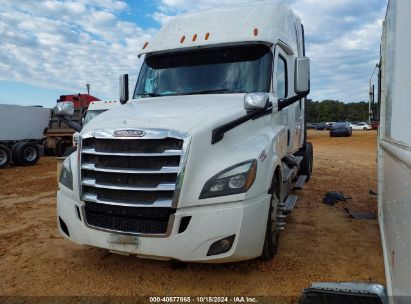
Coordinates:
129 133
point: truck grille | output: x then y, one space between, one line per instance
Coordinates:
129 184
128 219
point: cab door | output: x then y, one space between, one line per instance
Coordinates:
283 87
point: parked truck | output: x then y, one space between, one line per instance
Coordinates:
202 162
21 133
59 134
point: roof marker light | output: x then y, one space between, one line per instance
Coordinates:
182 39
145 45
255 31
207 36
195 37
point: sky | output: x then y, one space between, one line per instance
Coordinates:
50 48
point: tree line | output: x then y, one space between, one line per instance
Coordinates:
334 110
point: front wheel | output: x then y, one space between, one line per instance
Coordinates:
272 234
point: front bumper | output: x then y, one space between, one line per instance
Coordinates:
245 219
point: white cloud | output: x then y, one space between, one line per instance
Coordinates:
64 45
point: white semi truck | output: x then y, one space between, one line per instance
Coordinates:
21 133
201 163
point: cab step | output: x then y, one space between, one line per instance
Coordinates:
287 174
299 184
293 161
289 204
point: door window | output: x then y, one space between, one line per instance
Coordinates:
281 75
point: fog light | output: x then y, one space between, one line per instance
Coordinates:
221 246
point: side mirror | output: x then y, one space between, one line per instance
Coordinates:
302 75
124 88
255 101
64 108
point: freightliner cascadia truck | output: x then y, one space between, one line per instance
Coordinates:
202 162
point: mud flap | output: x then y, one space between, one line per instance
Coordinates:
346 292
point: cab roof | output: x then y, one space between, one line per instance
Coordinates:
103 105
262 22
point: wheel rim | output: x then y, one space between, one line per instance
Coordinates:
30 154
3 157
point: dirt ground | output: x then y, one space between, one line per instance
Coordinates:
320 243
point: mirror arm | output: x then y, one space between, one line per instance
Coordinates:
68 122
282 103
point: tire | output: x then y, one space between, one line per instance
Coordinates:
5 156
272 233
47 151
26 154
306 166
61 147
69 151
13 154
364 129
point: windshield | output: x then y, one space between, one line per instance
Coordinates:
92 114
241 69
340 125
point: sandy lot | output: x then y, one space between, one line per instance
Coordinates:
320 243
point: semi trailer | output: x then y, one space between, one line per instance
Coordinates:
394 172
394 150
21 133
203 162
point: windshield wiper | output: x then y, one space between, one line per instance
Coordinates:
222 90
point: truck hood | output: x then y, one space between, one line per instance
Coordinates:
179 113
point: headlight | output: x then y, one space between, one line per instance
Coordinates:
66 176
234 180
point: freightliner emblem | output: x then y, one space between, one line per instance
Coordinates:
129 133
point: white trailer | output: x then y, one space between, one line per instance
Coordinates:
200 164
21 130
394 150
394 172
